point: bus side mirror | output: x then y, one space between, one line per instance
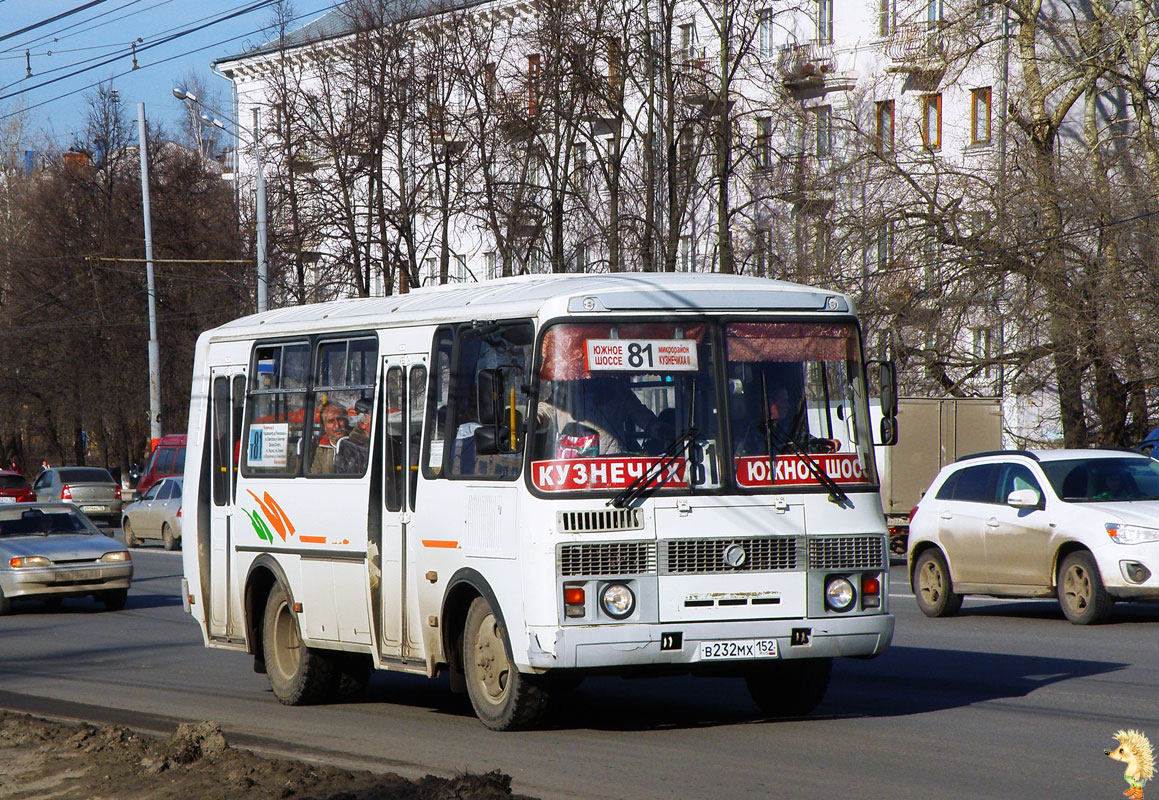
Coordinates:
486 440
888 431
489 385
888 380
500 438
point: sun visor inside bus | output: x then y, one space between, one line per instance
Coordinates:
749 300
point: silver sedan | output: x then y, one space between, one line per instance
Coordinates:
51 551
157 515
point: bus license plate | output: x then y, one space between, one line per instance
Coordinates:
738 649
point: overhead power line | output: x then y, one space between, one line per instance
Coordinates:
51 20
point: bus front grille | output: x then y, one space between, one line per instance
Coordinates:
706 556
847 552
607 559
600 521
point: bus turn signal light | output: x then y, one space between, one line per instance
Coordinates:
870 591
573 601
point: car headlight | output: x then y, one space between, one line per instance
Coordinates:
117 555
839 594
1131 534
618 601
29 561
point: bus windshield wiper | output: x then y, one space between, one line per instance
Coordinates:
653 477
836 493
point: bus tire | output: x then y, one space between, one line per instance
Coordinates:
504 699
790 688
298 675
354 671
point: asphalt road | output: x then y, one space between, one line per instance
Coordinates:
1008 700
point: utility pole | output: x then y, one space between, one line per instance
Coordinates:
154 347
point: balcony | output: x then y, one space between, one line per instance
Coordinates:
917 48
805 66
805 181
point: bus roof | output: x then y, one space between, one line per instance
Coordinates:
547 296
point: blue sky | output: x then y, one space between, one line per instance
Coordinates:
92 41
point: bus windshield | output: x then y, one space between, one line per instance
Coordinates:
615 397
797 404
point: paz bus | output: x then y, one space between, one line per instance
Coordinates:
528 480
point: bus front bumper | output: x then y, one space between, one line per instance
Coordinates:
596 646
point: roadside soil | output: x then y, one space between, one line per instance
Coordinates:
46 760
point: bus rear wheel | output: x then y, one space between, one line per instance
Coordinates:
504 699
789 688
298 675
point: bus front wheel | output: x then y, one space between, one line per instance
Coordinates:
790 688
299 675
504 699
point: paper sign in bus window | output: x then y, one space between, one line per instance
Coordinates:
641 355
267 445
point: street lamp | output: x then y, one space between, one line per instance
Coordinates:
259 200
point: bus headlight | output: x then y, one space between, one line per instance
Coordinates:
617 601
839 594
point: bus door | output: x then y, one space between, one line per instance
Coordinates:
227 401
405 378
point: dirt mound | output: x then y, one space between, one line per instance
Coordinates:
45 760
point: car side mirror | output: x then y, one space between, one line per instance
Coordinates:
1024 498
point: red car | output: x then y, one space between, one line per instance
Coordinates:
14 488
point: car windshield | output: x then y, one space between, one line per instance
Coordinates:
796 392
619 398
85 475
1095 480
37 522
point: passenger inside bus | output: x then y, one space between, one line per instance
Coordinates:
335 426
783 428
352 452
596 416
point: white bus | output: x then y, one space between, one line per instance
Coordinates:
532 479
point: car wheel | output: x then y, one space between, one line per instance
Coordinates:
53 603
298 675
5 604
1081 594
789 688
114 599
167 537
934 587
131 539
504 699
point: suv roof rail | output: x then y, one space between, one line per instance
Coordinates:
986 453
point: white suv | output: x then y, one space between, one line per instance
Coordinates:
1079 524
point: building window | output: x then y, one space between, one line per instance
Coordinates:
980 116
460 263
685 254
883 246
688 48
884 135
686 156
533 64
765 32
932 121
985 12
825 21
579 171
764 142
430 276
885 17
823 131
490 81
491 260
615 66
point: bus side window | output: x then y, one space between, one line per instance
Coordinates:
393 452
275 414
502 350
437 406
